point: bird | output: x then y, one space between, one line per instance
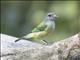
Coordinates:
40 32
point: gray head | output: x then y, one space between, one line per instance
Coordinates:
50 16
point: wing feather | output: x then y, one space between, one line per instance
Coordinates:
40 27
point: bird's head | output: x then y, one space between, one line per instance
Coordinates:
51 16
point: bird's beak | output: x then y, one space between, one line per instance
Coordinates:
56 16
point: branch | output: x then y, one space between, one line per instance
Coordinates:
67 49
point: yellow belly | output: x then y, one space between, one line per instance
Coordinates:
37 35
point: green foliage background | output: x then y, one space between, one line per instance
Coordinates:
20 17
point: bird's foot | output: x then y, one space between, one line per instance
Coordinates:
45 42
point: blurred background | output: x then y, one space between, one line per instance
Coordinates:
20 17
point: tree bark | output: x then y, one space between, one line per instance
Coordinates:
67 49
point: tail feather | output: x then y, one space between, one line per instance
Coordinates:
17 40
30 39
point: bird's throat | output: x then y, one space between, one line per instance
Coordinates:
50 25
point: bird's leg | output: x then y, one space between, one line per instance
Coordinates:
45 42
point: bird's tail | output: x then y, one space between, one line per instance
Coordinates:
18 39
30 39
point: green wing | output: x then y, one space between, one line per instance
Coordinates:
40 27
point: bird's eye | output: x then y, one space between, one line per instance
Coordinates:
49 15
